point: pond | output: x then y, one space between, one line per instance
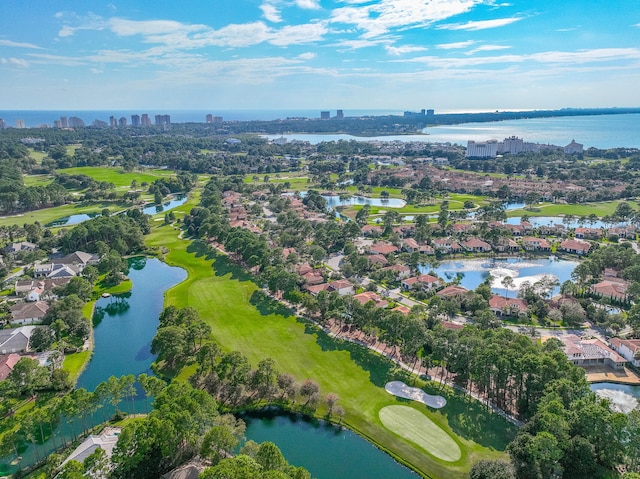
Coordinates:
333 201
125 324
623 397
326 450
166 206
473 272
72 220
559 220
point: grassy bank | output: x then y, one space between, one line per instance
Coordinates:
243 319
47 215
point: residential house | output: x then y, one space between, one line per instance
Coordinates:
503 245
628 349
502 306
79 259
303 268
13 248
15 340
106 441
553 230
588 233
28 313
575 246
531 243
401 308
424 281
591 352
475 245
410 245
7 363
447 245
342 287
382 248
313 277
364 298
426 249
377 259
56 270
627 232
316 288
611 287
452 291
372 231
400 271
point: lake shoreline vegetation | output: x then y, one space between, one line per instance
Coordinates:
256 236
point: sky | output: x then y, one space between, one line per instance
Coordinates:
449 55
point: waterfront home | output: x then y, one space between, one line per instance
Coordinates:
588 233
447 245
531 243
575 246
628 349
79 259
28 313
627 232
475 245
591 352
364 298
425 282
106 441
503 245
502 306
410 245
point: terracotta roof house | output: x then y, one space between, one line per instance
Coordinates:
588 233
531 243
502 306
364 298
426 282
316 288
303 268
342 287
452 325
426 249
476 245
452 290
401 308
7 363
590 352
410 245
628 349
399 270
575 246
462 227
313 277
377 259
447 245
613 288
28 313
623 232
503 244
371 230
382 248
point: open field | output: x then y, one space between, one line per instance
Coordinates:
414 426
243 319
37 180
47 215
117 176
75 363
37 155
551 209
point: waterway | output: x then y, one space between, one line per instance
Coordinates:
326 450
623 397
473 272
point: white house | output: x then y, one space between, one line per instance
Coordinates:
628 349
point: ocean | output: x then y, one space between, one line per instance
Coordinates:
598 131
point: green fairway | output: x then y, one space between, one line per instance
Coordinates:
414 426
37 180
48 215
243 319
117 176
600 209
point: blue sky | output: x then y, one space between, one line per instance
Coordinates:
323 54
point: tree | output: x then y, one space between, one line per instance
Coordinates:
72 470
572 313
27 376
239 467
508 283
532 198
42 338
486 469
97 464
270 457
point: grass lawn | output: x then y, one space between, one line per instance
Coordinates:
75 363
47 215
37 155
243 319
414 426
550 209
117 176
37 180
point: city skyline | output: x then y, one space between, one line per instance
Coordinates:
299 54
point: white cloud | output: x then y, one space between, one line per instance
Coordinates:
451 46
357 44
379 18
125 28
308 4
91 21
480 25
397 51
18 62
487 48
95 71
271 13
637 25
307 56
9 43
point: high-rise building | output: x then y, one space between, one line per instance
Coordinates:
122 121
209 118
163 120
145 120
20 124
113 123
339 114
57 124
325 115
63 122
3 125
430 112
75 122
135 120
99 124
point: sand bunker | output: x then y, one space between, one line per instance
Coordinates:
400 389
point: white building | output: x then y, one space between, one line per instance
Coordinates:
482 149
573 148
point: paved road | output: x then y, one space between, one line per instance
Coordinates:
334 262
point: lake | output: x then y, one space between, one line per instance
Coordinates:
537 221
623 396
166 206
72 220
126 324
327 451
333 201
473 272
599 131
